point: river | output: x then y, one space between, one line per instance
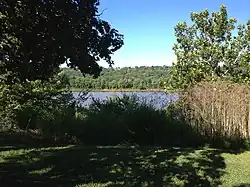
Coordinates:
158 99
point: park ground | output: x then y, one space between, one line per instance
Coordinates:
80 166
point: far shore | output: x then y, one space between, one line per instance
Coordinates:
124 90
119 90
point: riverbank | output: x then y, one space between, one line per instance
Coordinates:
118 90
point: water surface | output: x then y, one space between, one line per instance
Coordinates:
158 99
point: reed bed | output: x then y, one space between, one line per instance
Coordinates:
218 109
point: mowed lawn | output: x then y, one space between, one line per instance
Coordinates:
122 166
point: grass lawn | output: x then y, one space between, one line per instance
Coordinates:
121 166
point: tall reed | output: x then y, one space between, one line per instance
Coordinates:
218 109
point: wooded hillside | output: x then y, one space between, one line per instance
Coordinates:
121 78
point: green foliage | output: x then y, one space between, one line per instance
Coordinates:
48 34
122 119
34 95
37 105
128 119
118 120
121 78
208 49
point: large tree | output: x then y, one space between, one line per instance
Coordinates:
37 36
211 47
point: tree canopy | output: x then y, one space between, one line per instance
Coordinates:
37 36
139 78
210 49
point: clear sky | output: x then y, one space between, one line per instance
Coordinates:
148 26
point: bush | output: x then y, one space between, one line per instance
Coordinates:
46 107
213 113
128 119
179 131
123 119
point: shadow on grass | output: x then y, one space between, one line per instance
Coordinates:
21 139
120 166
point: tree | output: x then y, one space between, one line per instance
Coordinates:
37 36
121 78
19 103
207 49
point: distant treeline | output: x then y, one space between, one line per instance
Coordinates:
141 78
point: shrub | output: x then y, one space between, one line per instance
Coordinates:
178 130
123 119
47 107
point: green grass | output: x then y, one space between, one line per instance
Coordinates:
122 166
237 169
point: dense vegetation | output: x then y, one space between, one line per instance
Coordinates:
38 109
213 70
139 78
50 33
201 116
211 48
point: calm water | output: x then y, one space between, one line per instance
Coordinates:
157 99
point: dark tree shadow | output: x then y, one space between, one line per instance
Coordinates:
24 139
124 166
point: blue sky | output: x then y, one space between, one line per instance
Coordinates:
148 26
